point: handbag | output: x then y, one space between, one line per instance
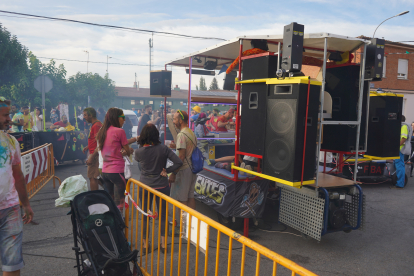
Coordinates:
127 170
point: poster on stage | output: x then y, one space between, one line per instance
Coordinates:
230 198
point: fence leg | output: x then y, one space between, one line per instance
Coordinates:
246 228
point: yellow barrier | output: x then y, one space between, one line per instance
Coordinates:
36 184
134 224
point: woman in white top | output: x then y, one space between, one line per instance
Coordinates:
38 118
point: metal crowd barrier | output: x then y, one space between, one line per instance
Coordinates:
207 234
38 168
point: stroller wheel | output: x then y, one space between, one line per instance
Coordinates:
136 271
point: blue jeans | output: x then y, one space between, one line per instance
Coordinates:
400 170
11 235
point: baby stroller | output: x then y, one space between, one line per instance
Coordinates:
98 226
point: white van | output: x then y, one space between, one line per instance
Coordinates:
134 119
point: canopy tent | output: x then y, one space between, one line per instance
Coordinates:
226 52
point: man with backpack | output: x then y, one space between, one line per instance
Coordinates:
183 179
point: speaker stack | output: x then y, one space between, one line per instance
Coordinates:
274 115
384 125
342 83
160 83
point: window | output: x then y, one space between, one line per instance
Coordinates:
132 102
384 67
141 102
151 102
402 69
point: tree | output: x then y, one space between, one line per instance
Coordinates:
13 57
25 93
196 87
214 85
203 86
101 90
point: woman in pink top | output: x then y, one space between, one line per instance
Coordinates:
112 139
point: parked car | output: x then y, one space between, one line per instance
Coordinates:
134 120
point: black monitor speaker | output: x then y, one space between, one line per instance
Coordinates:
342 83
160 83
292 47
375 59
384 125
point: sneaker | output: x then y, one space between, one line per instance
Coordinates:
396 187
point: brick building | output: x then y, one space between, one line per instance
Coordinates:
135 97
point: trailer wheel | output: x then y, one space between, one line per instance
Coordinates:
228 222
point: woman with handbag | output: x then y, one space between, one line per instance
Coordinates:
152 157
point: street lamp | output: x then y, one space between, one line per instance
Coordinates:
107 58
87 63
402 13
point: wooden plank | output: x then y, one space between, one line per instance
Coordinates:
330 181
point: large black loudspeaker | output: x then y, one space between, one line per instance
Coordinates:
375 59
285 128
160 83
384 125
342 83
253 123
292 47
259 67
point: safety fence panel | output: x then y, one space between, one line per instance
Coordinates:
38 168
197 245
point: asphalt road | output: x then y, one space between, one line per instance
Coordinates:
384 248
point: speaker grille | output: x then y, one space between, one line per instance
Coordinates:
281 156
280 135
283 117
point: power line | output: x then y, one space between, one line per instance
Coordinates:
109 26
134 64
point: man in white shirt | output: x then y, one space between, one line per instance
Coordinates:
12 188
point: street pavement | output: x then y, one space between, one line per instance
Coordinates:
384 247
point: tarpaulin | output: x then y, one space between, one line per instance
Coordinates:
230 198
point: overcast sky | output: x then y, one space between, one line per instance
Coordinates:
224 19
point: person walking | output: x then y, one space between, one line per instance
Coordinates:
101 114
112 139
405 149
183 179
12 189
38 118
89 115
193 118
145 118
152 157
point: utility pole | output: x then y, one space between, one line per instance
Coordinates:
87 63
107 58
151 45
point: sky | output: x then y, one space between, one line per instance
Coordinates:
223 19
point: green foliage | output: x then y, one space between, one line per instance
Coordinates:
12 59
203 86
19 68
214 85
100 89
